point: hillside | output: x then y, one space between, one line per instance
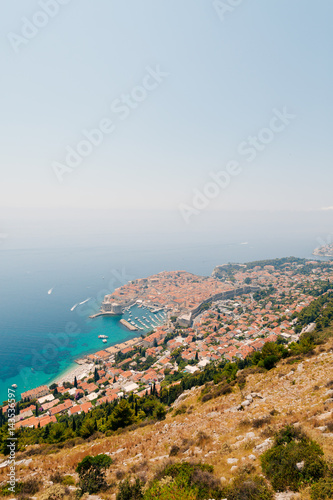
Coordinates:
217 432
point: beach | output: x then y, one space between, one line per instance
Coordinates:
80 371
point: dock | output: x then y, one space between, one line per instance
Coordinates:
128 325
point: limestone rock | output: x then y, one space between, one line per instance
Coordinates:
265 445
300 465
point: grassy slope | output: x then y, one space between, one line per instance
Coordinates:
209 431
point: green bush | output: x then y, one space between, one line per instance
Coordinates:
291 447
130 491
68 481
185 481
91 472
170 490
22 488
180 410
245 487
323 490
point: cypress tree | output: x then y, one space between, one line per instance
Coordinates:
75 382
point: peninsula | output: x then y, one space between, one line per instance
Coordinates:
182 294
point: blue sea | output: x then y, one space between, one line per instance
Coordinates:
40 336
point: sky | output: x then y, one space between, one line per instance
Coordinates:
178 106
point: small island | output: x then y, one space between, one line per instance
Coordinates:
324 251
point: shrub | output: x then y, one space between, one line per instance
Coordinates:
180 410
322 490
130 490
170 490
211 392
55 492
270 361
174 450
261 421
56 477
23 488
244 487
293 447
68 481
186 481
91 473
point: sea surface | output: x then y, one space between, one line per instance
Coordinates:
40 336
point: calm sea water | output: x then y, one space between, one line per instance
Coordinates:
40 337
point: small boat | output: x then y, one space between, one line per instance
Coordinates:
14 386
103 337
72 309
50 291
105 341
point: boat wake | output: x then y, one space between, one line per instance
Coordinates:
80 304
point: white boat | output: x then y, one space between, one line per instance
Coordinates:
72 308
105 341
50 291
14 386
103 337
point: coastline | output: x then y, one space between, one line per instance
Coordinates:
80 370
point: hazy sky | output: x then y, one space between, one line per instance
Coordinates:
180 89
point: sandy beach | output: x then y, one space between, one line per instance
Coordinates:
80 371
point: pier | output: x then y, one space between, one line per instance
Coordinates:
128 325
